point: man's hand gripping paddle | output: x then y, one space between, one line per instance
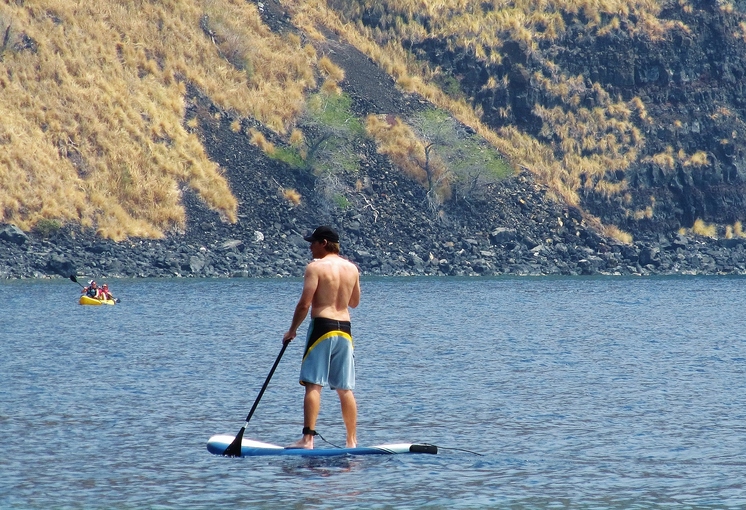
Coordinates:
234 449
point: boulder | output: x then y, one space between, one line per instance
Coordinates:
502 235
13 234
60 265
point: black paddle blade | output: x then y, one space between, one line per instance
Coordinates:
72 277
234 449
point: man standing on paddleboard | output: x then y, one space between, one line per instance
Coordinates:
331 286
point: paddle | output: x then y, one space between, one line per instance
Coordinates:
73 278
234 449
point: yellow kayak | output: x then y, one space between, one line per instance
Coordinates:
87 300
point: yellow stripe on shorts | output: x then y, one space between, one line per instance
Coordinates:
328 335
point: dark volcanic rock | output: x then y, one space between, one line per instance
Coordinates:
12 234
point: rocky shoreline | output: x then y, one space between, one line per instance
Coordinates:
394 241
502 254
387 227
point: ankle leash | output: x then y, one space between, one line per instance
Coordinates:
310 432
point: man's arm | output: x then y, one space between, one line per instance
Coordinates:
310 284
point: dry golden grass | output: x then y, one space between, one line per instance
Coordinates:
93 121
734 231
258 139
640 214
664 160
297 139
397 140
712 230
738 230
291 196
620 235
329 68
704 229
697 159
331 87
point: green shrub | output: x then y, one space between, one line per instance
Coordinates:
341 201
289 156
46 227
468 156
450 86
335 112
331 130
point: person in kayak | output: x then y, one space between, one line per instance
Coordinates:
331 286
92 290
105 294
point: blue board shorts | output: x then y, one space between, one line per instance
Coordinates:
329 357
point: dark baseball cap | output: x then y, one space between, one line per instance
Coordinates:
321 233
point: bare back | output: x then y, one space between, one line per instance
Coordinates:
336 287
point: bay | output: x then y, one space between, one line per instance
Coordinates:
605 392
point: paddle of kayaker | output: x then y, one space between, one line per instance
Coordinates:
331 285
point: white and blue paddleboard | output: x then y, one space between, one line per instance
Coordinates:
250 448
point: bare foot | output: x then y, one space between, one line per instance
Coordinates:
351 441
306 443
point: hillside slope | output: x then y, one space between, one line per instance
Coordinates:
634 110
392 223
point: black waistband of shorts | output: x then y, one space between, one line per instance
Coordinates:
322 325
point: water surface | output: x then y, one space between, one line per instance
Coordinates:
577 393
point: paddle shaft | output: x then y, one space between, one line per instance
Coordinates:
234 449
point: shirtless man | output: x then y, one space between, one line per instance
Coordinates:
331 285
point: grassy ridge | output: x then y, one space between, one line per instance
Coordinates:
92 105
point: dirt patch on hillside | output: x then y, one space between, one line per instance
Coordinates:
373 90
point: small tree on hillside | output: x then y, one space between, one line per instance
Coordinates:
469 161
438 175
415 156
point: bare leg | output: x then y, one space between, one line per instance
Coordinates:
311 405
349 415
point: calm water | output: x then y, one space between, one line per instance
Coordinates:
579 393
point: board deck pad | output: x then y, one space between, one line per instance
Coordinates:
251 448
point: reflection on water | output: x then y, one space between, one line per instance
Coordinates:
322 466
582 393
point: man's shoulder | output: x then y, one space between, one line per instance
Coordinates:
347 263
330 261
